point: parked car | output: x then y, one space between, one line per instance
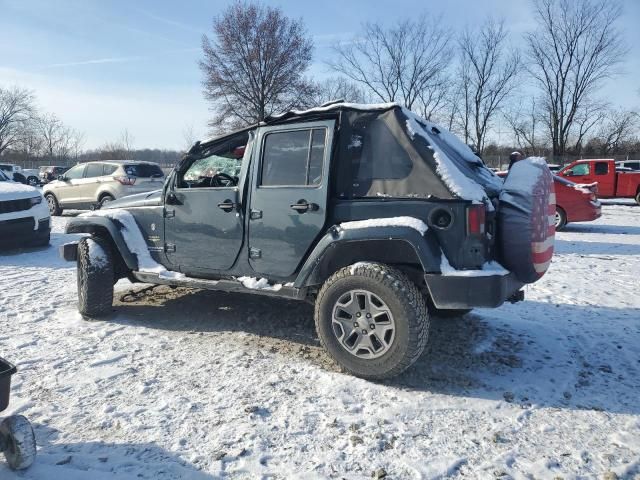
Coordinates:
94 184
611 183
377 216
48 173
574 202
24 216
630 164
19 174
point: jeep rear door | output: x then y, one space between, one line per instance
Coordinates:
289 198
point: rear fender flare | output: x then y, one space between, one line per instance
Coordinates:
337 247
105 227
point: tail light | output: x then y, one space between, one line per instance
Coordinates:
125 180
476 217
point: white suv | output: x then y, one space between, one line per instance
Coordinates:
93 184
24 216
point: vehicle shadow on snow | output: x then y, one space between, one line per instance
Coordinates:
604 229
517 352
594 248
102 460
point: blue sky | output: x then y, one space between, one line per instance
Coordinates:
103 66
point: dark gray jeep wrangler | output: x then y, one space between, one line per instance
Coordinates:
378 217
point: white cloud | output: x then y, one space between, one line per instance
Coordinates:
155 116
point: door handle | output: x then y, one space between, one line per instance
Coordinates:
227 205
303 206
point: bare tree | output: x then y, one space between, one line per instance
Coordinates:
254 64
573 49
56 137
126 142
524 122
336 88
17 110
77 141
619 127
189 136
397 63
590 114
489 71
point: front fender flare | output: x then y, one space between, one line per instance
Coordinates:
337 238
104 226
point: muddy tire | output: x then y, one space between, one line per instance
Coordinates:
21 442
54 206
372 319
95 277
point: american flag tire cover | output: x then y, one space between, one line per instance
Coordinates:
526 219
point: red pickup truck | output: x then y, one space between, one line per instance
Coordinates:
611 183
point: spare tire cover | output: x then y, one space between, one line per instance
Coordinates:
526 218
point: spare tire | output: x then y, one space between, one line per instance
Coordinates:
526 218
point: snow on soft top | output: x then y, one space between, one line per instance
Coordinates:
411 222
455 180
334 106
488 269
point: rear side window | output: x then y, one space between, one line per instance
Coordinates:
293 158
602 168
109 169
143 170
93 170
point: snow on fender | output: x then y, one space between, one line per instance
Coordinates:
526 219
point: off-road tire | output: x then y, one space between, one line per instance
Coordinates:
404 300
21 442
95 279
54 206
561 219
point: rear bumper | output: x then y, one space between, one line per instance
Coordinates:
457 292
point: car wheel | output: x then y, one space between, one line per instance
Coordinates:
372 319
106 199
33 181
20 450
561 219
638 197
54 206
95 277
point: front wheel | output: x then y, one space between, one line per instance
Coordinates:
54 206
372 319
95 277
33 181
20 448
638 197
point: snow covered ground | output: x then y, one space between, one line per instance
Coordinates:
186 384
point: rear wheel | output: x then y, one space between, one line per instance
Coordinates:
33 181
21 442
106 199
638 197
54 206
372 319
561 219
95 277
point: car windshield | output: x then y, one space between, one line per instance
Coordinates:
6 168
144 170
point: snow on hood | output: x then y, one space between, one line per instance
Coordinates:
17 191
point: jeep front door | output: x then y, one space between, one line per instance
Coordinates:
289 199
204 226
